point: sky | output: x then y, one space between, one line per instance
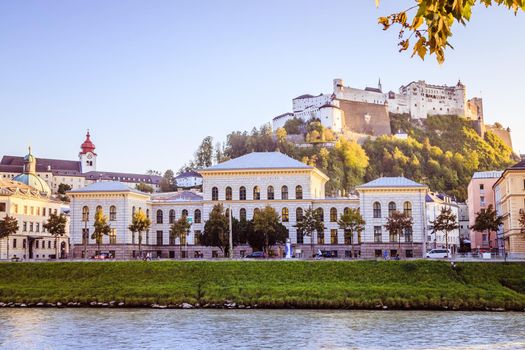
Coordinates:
151 79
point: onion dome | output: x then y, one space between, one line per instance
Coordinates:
30 178
87 146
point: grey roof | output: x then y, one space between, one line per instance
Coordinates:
106 186
183 196
187 174
487 175
123 177
392 182
260 160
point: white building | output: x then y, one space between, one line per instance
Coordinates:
189 179
435 203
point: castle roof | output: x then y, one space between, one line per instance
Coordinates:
87 145
391 182
306 96
283 115
16 164
371 89
260 160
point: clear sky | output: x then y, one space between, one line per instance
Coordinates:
152 78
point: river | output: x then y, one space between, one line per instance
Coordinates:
263 329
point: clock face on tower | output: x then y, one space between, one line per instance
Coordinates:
89 156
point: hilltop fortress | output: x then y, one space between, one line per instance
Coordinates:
365 112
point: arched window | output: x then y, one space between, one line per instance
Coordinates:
256 211
284 192
112 213
197 216
242 193
285 215
320 214
99 208
333 215
185 213
159 216
214 194
227 212
147 213
242 214
270 193
346 210
256 193
229 193
299 192
133 211
172 216
299 214
377 210
391 208
85 213
407 208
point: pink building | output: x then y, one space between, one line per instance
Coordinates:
480 196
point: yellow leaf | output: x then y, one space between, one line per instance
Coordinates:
417 22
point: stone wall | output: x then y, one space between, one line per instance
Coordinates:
366 118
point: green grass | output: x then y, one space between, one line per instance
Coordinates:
273 284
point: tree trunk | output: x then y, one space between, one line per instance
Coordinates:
7 246
399 244
312 244
56 247
446 243
140 244
352 243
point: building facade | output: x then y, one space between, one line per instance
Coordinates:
509 193
242 185
435 204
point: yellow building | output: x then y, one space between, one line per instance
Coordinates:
509 192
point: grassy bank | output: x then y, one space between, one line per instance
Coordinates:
271 284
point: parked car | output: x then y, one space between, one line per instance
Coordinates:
438 254
256 255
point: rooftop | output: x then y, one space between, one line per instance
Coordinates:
123 177
488 174
260 160
187 174
106 186
392 182
183 196
42 164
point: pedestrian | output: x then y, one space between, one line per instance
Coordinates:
385 254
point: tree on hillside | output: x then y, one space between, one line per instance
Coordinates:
267 229
309 224
204 154
487 220
167 184
101 228
354 162
144 187
180 229
8 227
397 223
56 226
445 222
153 172
430 23
295 126
139 223
351 222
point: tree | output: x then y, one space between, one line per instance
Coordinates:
431 25
267 225
139 223
216 230
56 226
398 222
351 221
153 172
294 126
101 226
180 228
62 189
167 184
310 223
487 220
204 154
144 187
446 222
8 227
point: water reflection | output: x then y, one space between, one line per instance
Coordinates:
266 329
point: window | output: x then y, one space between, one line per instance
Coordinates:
172 216
270 193
183 239
378 253
377 210
2 207
320 214
409 253
284 192
214 194
197 237
391 208
408 235
160 216
242 193
333 236
229 195
36 244
298 192
242 214
24 243
185 213
133 211
112 213
299 214
37 227
320 237
346 211
407 208
30 227
481 187
300 237
256 193
197 216
378 234
333 215
392 237
482 201
147 213
14 242
98 209
85 213
113 236
255 211
348 237
285 217
160 237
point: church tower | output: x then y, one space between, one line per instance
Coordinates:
87 155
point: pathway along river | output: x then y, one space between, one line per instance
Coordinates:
264 329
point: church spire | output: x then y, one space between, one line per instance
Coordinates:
29 163
379 86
